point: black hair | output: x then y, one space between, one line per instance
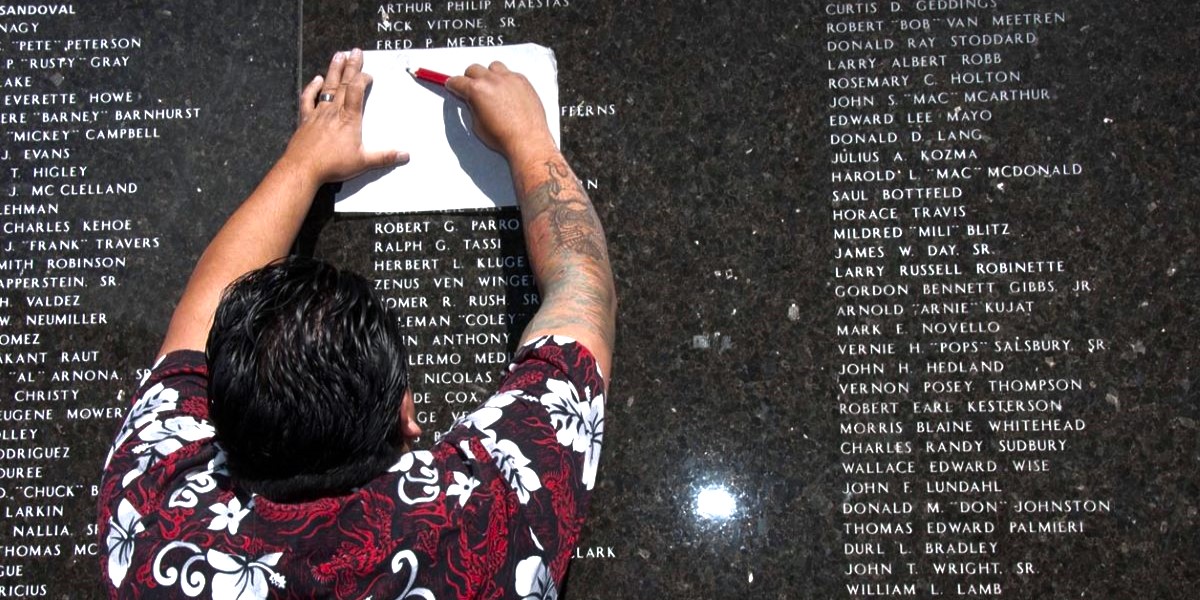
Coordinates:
307 372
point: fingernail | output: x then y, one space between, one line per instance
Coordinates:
339 56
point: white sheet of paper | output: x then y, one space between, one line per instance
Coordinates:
449 168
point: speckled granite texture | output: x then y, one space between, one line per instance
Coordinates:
714 182
703 129
179 107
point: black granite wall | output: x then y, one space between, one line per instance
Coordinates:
907 287
130 130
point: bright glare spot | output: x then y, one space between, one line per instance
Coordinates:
715 503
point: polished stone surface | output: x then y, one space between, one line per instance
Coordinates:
703 130
713 170
179 107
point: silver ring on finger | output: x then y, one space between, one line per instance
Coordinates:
326 97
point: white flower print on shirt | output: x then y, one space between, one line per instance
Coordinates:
485 416
578 423
591 456
120 540
515 467
533 581
228 516
567 413
236 577
462 487
161 438
170 435
507 455
156 400
240 578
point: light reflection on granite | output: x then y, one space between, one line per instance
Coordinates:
715 503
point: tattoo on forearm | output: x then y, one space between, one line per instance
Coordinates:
573 222
571 254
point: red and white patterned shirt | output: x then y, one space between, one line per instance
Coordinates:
493 510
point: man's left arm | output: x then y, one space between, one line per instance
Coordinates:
326 147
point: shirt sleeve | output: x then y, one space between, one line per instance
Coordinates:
165 432
543 431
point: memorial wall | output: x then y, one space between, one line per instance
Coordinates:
907 288
129 133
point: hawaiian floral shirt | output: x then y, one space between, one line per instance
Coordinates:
493 510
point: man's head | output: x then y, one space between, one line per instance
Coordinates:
308 374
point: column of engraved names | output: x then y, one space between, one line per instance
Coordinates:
933 329
67 245
875 496
462 291
461 282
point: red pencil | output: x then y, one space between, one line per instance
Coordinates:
430 76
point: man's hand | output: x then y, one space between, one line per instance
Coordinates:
509 117
327 144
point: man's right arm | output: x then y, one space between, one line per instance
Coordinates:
563 236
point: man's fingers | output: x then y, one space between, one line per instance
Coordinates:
498 67
354 94
333 76
459 85
476 70
379 159
308 96
351 67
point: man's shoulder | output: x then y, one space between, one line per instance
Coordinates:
179 369
165 429
552 357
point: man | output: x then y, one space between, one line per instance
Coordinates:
281 471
